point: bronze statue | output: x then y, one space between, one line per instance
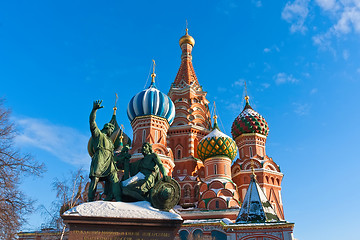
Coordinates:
102 162
141 180
145 174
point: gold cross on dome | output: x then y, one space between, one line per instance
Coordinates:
153 75
116 99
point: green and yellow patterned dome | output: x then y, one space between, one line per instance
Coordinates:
216 143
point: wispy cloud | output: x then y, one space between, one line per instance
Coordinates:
296 13
234 107
328 5
313 91
347 20
346 54
301 109
265 85
239 83
266 50
282 78
273 48
227 6
64 143
257 3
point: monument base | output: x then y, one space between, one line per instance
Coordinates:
121 221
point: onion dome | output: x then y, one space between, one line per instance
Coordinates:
187 39
216 143
151 102
249 121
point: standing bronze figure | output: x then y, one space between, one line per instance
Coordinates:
102 162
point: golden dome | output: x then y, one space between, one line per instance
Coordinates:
187 39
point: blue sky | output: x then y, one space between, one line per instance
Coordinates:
300 59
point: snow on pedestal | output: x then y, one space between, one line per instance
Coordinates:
121 220
142 209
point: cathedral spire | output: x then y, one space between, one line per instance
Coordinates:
186 75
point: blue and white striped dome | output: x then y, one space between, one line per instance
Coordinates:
151 102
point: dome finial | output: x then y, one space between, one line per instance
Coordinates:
246 95
153 75
247 104
115 108
215 118
187 38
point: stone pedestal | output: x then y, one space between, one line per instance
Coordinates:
121 221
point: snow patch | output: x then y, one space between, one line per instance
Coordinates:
216 190
181 178
193 178
227 221
137 177
249 112
222 180
227 199
216 133
142 209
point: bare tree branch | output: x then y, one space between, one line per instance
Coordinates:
14 205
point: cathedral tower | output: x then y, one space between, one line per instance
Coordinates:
250 130
217 191
151 113
192 123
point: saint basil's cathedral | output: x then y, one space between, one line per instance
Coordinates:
221 198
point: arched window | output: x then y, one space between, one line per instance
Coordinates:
251 152
242 153
187 191
225 169
216 204
156 136
179 154
197 234
215 169
183 235
144 136
197 192
218 235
